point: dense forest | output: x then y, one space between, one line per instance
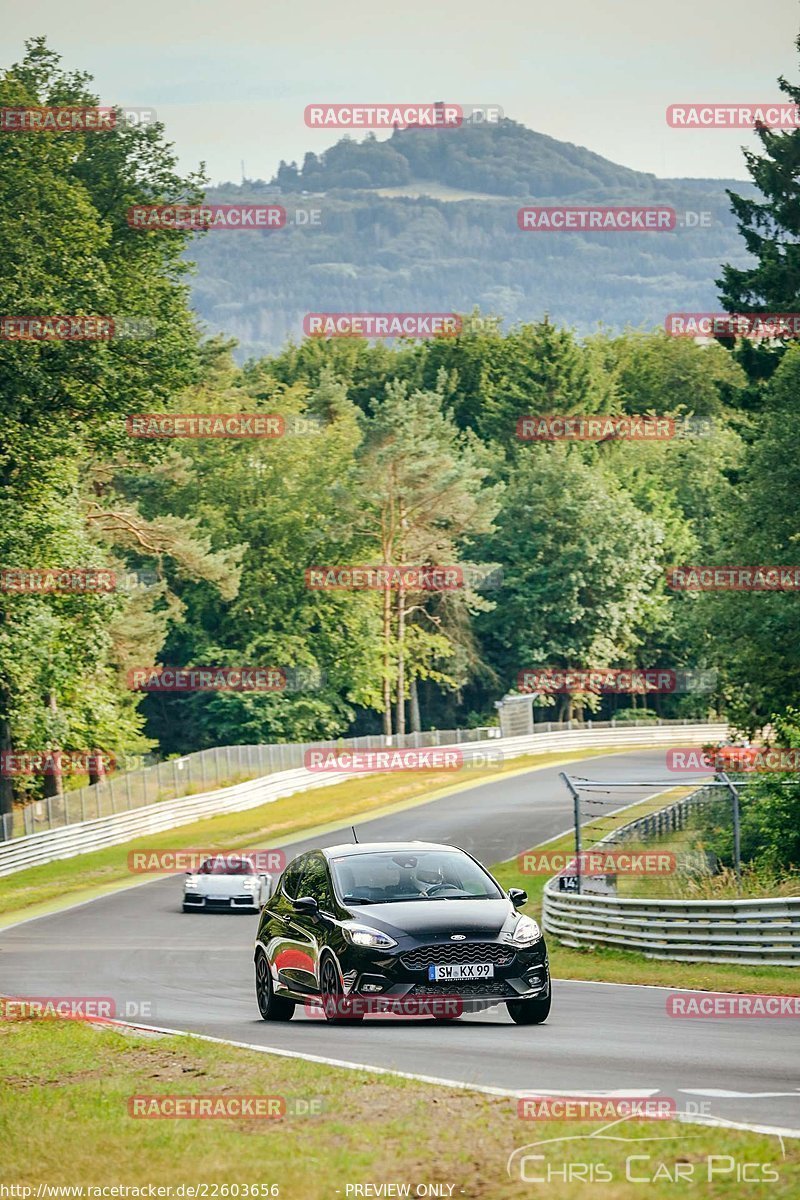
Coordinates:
390 455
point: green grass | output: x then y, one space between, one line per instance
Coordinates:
70 880
65 1087
690 884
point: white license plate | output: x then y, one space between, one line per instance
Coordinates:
461 971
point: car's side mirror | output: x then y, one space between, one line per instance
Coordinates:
517 897
306 905
267 886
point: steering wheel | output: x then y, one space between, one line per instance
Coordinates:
437 887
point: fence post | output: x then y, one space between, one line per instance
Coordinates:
737 836
576 810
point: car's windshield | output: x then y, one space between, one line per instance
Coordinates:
383 877
227 866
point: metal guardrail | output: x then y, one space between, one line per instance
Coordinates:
223 766
762 932
84 836
188 775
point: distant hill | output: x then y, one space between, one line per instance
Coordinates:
426 221
504 158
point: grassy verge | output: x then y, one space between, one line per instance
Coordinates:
610 965
691 883
64 1121
268 826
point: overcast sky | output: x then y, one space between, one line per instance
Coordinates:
231 79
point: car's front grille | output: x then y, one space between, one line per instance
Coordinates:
450 953
480 989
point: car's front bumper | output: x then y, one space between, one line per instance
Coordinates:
523 976
245 901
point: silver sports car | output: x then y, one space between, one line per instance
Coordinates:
226 881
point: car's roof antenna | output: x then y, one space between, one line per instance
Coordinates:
355 839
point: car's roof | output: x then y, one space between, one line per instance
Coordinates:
351 848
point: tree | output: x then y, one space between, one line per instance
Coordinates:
581 565
66 249
771 231
756 633
285 504
425 491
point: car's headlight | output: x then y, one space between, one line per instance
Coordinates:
525 933
365 935
250 884
192 883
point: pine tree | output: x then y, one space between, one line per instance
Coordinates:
771 231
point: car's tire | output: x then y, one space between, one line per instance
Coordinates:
188 907
530 1012
334 1002
271 1007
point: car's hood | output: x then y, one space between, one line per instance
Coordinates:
437 919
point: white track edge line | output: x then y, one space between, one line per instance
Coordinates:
462 1085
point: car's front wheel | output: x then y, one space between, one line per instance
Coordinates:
334 1002
271 1007
530 1012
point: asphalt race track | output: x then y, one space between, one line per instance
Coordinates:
194 972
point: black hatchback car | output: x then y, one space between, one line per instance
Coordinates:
394 923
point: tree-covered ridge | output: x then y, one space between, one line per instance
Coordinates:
375 253
503 158
348 247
